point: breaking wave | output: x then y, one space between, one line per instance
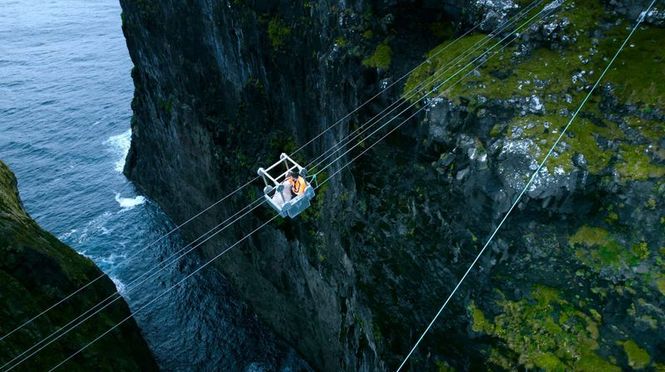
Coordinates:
120 144
129 203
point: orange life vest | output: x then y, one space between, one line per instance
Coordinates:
298 186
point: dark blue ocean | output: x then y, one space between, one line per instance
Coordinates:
65 93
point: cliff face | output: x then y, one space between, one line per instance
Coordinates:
36 271
223 87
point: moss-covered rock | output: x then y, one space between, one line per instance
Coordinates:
544 331
381 57
638 358
36 271
545 82
278 33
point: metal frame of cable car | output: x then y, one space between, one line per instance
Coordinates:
272 191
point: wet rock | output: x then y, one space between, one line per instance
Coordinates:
634 9
491 14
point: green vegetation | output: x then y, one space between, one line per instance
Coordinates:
581 138
585 15
636 165
442 366
424 77
660 284
641 250
10 205
341 42
479 323
638 358
590 236
649 129
545 331
597 249
559 77
278 32
381 57
636 71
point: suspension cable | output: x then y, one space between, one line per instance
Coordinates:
528 184
226 250
514 204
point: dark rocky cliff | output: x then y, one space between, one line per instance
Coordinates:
575 278
37 271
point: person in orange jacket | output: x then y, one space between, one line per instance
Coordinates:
298 184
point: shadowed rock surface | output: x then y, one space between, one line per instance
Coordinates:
575 278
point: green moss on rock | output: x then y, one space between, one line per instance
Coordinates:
559 77
424 78
278 32
595 247
635 73
660 284
638 358
636 164
478 321
381 58
582 138
545 331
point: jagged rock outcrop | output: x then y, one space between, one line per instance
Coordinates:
223 87
36 271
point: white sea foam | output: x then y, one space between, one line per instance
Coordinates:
67 235
129 203
120 286
120 144
112 259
